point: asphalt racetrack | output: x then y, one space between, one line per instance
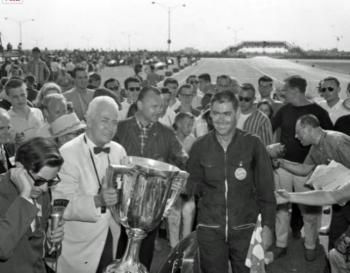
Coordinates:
249 70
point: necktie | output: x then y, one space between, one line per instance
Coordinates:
98 150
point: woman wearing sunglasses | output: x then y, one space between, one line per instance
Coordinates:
25 236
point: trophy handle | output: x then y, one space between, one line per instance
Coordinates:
115 173
178 185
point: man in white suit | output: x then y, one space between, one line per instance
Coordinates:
88 242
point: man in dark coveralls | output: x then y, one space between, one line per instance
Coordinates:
231 173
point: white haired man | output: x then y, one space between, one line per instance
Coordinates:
88 243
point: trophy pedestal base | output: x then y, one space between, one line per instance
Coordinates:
126 267
130 261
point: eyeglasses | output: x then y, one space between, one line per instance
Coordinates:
246 99
324 89
134 89
193 82
39 181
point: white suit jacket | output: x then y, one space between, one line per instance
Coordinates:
85 229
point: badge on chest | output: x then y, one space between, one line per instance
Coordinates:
240 172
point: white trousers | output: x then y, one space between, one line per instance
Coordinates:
311 214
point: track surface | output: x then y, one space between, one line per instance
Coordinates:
249 70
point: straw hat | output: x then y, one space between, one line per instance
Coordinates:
66 124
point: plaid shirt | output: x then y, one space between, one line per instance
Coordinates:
143 134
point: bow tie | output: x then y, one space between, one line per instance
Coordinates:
98 150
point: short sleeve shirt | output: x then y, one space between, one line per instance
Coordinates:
28 126
333 146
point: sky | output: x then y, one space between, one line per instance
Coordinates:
208 25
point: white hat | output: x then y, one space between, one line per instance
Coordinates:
66 124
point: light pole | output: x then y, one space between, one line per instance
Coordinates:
169 10
235 31
20 23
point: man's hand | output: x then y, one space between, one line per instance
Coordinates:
23 183
56 236
266 236
342 244
275 150
106 197
282 196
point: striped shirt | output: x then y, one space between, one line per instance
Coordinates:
259 124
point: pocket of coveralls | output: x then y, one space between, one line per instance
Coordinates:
207 226
211 170
245 226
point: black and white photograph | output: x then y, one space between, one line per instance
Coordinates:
174 136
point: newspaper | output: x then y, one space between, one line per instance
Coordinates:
329 177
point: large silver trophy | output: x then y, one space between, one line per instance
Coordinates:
147 190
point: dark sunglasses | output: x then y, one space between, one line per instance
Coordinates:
134 89
324 89
246 99
193 82
41 181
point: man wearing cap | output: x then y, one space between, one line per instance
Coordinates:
88 243
67 127
38 68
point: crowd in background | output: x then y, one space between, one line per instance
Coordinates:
51 100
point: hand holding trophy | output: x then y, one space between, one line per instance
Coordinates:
147 189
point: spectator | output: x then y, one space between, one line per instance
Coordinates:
205 85
152 77
64 80
167 115
107 92
250 118
47 89
80 95
185 96
6 149
66 127
192 80
38 68
329 90
132 86
265 85
53 106
265 107
94 80
181 217
137 71
172 84
114 85
296 105
31 87
24 120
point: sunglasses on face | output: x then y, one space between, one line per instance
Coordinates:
324 89
39 181
132 89
245 99
193 82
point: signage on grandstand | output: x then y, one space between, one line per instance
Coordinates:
12 1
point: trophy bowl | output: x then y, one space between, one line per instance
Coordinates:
147 190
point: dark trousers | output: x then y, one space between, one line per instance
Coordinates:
146 250
296 222
339 223
107 253
215 252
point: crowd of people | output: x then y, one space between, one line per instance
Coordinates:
246 150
